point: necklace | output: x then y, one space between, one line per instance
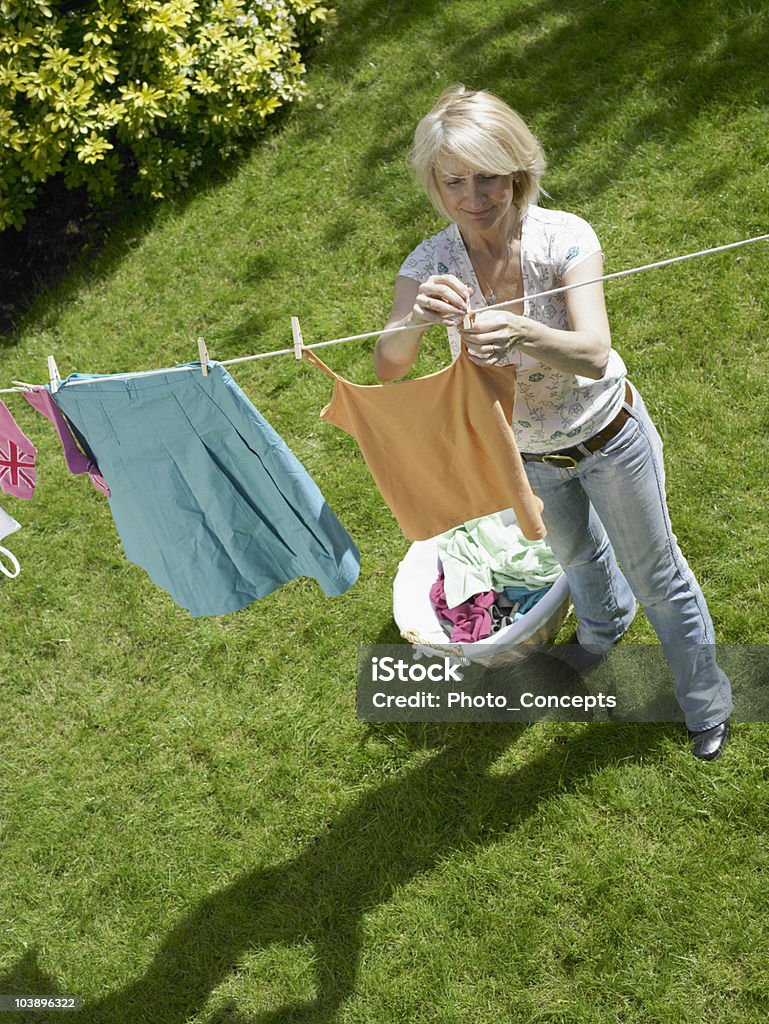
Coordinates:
491 286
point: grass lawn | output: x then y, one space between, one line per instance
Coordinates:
195 828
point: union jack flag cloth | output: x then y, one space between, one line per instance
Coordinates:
17 458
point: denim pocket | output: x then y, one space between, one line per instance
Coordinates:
627 435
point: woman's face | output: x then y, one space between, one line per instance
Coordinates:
474 199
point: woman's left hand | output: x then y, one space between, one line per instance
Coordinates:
494 335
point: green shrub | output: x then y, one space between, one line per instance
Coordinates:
153 87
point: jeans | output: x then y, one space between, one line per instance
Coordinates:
612 508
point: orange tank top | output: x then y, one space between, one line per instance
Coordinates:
440 448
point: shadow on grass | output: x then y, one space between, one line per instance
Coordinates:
67 240
402 829
601 78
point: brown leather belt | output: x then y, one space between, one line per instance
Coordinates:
567 458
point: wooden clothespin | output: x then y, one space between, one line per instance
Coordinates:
468 321
203 352
21 385
296 330
53 373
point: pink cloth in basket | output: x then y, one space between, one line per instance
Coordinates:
471 620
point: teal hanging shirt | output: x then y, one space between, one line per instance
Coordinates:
206 496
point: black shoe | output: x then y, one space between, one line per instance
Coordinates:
709 744
581 659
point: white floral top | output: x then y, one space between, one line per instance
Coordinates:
553 409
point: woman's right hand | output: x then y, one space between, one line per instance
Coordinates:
442 299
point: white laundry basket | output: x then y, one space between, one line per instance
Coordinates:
419 625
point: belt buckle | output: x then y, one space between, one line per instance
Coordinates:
560 461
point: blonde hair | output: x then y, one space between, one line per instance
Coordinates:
486 135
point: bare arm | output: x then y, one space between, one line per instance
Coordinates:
442 299
583 349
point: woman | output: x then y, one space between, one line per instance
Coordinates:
590 450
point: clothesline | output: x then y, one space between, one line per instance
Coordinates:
511 302
410 327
